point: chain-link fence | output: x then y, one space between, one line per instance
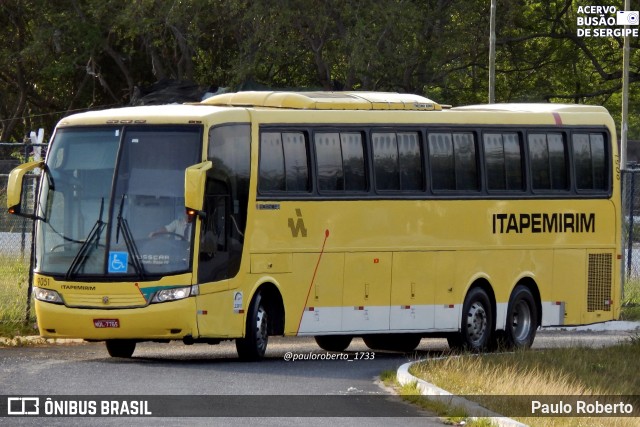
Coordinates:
15 243
631 223
15 232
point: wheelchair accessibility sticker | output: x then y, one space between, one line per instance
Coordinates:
118 262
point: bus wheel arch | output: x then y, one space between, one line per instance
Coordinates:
275 306
523 314
333 342
265 317
477 319
402 342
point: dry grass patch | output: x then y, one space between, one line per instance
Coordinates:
559 372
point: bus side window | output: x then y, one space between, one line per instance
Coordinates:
548 161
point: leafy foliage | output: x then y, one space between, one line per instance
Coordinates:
60 57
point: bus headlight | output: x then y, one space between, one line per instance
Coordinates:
47 295
174 294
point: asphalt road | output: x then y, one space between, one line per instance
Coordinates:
271 392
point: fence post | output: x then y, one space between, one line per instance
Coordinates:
630 203
23 233
37 142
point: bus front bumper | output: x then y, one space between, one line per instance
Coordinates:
169 320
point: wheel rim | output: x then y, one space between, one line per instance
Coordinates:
521 321
476 323
262 334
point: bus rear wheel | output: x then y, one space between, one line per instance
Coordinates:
333 342
476 327
522 318
392 342
121 348
254 344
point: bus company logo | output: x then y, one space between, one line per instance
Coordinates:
505 223
597 21
23 406
297 226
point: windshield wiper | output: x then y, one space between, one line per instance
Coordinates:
123 226
87 246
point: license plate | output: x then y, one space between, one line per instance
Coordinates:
106 323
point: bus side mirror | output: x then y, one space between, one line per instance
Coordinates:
194 183
16 190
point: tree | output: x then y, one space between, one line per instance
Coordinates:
61 57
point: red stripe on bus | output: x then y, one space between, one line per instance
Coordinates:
140 290
313 278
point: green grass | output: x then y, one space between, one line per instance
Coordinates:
14 276
451 414
630 313
554 372
631 292
630 309
558 371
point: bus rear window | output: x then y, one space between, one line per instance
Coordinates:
590 161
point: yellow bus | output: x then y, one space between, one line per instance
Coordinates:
336 215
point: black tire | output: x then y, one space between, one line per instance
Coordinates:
333 342
522 318
476 326
254 344
121 348
392 342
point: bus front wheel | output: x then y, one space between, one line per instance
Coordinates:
476 327
121 348
254 344
522 318
333 342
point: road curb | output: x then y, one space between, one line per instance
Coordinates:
428 389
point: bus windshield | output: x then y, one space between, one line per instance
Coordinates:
113 202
